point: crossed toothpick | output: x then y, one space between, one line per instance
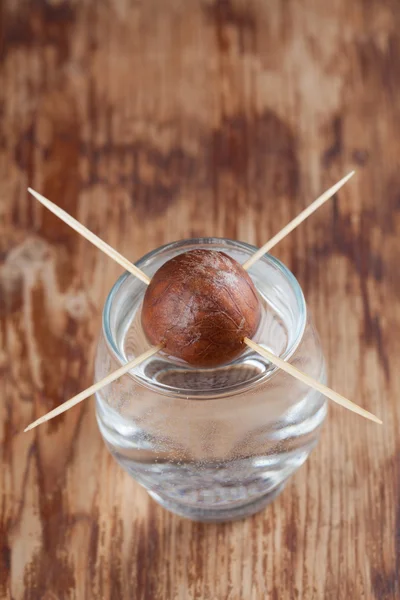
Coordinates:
275 360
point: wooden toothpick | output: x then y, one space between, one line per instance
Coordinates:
64 216
94 388
296 222
313 383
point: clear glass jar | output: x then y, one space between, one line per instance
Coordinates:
211 444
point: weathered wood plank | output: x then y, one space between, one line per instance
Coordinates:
152 121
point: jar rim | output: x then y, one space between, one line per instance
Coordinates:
181 244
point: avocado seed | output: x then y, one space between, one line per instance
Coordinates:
199 306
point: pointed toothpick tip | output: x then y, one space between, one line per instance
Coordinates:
349 175
35 194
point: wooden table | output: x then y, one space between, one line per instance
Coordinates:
156 120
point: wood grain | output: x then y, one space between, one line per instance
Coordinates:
151 121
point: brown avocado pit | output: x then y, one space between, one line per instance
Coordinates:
199 306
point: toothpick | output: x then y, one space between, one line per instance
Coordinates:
64 216
316 385
94 388
296 221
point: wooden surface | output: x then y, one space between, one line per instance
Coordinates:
157 120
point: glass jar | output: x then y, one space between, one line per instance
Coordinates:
211 444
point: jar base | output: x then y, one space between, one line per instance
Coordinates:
221 515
